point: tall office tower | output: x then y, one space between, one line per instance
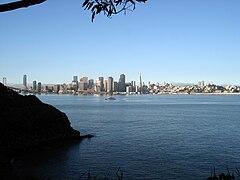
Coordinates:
39 88
105 85
4 81
101 80
97 86
75 83
75 78
90 83
122 84
110 85
34 85
25 81
141 87
134 86
115 87
83 85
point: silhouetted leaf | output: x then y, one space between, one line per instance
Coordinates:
110 7
85 3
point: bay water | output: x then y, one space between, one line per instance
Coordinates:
147 136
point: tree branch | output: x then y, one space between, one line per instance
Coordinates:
19 4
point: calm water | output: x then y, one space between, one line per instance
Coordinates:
148 136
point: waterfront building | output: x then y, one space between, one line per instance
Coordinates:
83 86
25 81
110 85
133 86
47 89
75 78
149 84
97 87
115 87
122 85
34 85
56 88
137 89
129 89
74 83
90 83
63 89
39 87
101 83
140 84
105 85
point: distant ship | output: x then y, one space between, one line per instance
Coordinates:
110 98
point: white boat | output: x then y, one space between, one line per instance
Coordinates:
110 98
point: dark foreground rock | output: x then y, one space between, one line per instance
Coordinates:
26 122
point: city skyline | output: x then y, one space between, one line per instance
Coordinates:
170 41
28 81
110 86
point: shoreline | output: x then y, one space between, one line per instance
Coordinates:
106 95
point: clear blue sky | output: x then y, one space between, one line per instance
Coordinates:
164 40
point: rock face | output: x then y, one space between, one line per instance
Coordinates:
26 122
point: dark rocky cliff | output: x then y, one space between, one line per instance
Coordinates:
26 122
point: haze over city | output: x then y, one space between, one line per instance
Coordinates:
173 41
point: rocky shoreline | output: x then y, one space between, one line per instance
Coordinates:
26 123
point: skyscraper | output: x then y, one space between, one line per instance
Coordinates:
39 87
83 85
74 83
122 84
90 83
115 87
105 85
34 85
101 80
110 85
75 78
140 84
24 81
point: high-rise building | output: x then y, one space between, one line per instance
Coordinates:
105 85
97 86
115 87
39 86
122 84
34 85
90 83
56 88
140 84
74 83
24 81
134 86
75 78
4 81
110 85
83 84
101 84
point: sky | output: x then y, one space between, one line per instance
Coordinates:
163 40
